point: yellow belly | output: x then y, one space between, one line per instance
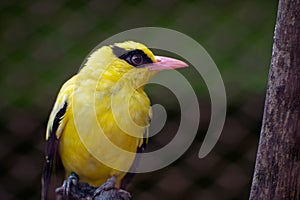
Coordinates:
76 158
76 155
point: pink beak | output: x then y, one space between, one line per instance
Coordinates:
165 63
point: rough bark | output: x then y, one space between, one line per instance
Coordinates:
277 169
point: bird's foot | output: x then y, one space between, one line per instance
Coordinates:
69 187
108 191
124 194
72 189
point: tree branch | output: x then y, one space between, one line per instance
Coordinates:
277 169
84 191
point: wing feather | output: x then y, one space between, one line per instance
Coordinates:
56 124
51 149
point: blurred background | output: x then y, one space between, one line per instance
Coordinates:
44 42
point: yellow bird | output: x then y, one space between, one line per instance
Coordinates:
104 100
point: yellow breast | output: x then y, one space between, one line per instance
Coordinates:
110 107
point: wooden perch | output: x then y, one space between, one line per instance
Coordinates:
277 169
83 191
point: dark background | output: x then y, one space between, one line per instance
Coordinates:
44 42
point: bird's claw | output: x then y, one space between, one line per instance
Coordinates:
68 186
71 183
108 185
72 189
124 194
108 191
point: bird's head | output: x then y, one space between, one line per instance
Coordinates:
131 61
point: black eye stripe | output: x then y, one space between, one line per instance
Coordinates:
127 55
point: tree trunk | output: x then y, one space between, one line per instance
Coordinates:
277 169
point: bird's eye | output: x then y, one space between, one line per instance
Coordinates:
137 59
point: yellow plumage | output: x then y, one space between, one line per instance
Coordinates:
106 94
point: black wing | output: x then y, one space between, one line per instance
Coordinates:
51 150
